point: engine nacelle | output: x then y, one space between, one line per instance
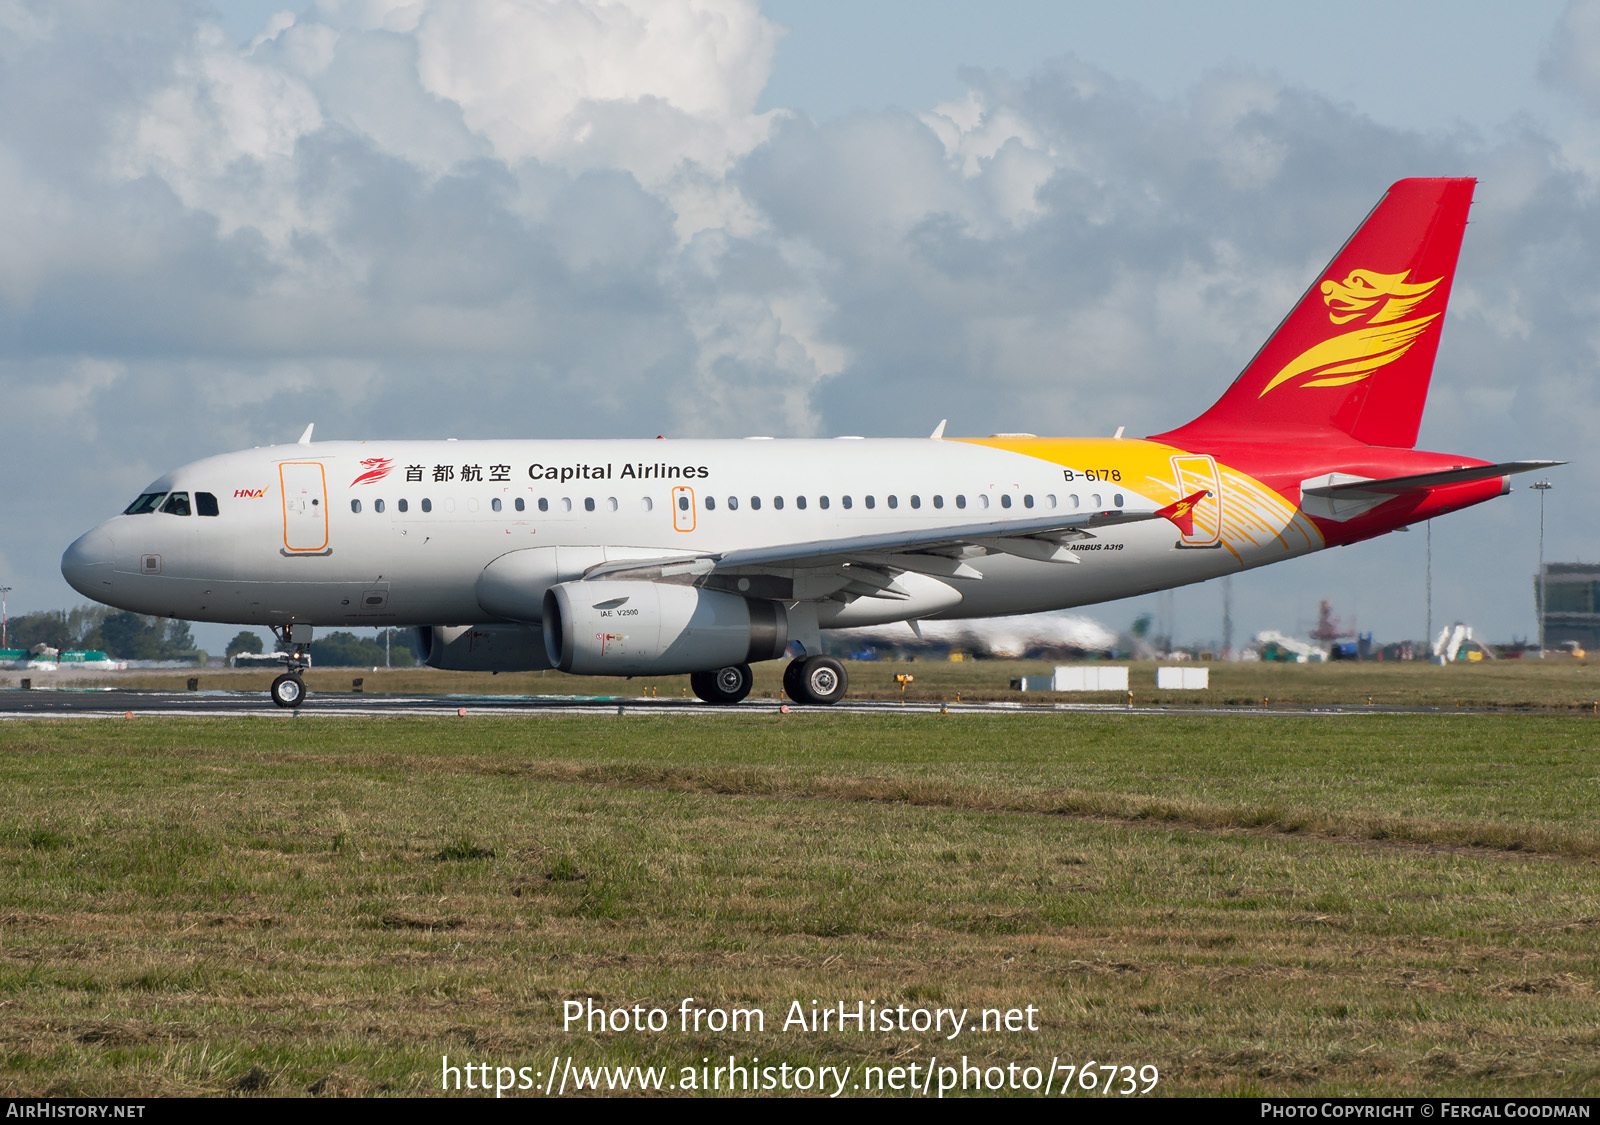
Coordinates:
485 648
657 628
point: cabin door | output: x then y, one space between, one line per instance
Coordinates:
305 507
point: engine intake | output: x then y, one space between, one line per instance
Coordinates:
656 628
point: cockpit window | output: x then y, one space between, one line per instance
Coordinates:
145 503
177 504
205 504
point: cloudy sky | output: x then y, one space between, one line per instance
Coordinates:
605 218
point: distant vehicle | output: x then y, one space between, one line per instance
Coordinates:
658 557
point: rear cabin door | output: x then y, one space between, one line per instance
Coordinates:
305 506
1196 472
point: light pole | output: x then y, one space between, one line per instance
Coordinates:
4 590
1543 486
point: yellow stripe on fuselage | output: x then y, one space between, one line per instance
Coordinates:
1257 524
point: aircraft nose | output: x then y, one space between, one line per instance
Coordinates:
87 564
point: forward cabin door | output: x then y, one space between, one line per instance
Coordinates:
1195 472
305 507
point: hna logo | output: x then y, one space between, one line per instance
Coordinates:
249 493
1382 299
377 468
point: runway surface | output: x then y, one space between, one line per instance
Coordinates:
79 703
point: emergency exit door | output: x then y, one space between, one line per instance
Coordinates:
683 508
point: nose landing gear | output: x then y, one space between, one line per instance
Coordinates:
289 690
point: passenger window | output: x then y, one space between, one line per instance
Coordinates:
848 503
1005 499
894 501
544 505
822 502
711 503
777 502
648 504
205 504
1116 501
983 500
733 503
377 505
177 504
145 504
427 505
961 500
588 503
611 503
755 503
404 506
495 503
872 501
800 502
566 503
916 501
683 503
1027 501
1050 500
355 506
1094 501
1072 501
938 501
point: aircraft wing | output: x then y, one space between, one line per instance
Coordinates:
938 551
1337 483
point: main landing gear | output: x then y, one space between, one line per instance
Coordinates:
810 679
815 679
724 685
289 690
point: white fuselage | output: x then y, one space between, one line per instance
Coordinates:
399 533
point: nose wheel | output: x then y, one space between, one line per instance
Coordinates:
815 679
288 690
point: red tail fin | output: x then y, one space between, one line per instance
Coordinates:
1356 353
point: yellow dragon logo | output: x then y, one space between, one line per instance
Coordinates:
1383 299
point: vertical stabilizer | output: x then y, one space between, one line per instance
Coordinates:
1355 355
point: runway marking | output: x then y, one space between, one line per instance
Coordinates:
100 703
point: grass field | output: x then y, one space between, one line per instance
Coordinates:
1557 683
1383 904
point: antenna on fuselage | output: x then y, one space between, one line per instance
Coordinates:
305 438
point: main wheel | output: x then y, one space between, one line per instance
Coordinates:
288 691
791 679
725 685
819 679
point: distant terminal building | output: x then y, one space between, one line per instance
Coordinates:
1571 606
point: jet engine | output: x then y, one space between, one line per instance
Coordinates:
657 628
484 648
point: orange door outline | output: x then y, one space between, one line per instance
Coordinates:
683 515
305 505
1194 472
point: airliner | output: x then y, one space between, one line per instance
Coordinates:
658 557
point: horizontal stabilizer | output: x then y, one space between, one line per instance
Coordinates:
1337 483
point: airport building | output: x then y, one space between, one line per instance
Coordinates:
1571 606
